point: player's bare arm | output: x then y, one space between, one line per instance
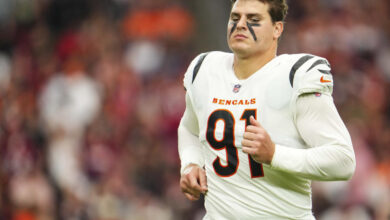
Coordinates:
193 182
257 142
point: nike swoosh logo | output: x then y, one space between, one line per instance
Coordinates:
324 80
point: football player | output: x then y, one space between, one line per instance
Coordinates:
258 127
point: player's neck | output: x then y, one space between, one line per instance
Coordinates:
244 67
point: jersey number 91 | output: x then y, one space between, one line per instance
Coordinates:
227 143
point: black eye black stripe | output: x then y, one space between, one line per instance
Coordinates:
233 28
250 27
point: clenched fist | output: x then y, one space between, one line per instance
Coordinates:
193 182
258 143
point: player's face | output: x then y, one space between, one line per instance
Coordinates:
250 29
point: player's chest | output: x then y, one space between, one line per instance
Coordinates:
225 104
231 96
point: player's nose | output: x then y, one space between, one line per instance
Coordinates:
241 24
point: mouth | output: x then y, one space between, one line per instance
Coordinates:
240 36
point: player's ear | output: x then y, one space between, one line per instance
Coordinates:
278 29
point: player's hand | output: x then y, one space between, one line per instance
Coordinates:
193 182
257 143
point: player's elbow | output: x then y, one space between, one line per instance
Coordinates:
346 167
340 164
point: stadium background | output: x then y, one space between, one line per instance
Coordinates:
91 96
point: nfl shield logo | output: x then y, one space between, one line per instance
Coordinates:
236 88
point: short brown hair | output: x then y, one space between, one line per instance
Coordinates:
277 9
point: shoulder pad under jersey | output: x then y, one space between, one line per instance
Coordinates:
193 69
311 74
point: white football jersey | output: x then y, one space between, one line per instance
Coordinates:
239 187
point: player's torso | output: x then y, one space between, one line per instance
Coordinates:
224 105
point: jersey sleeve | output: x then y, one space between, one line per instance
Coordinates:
189 147
330 154
313 76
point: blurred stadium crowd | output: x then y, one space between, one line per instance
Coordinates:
91 96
